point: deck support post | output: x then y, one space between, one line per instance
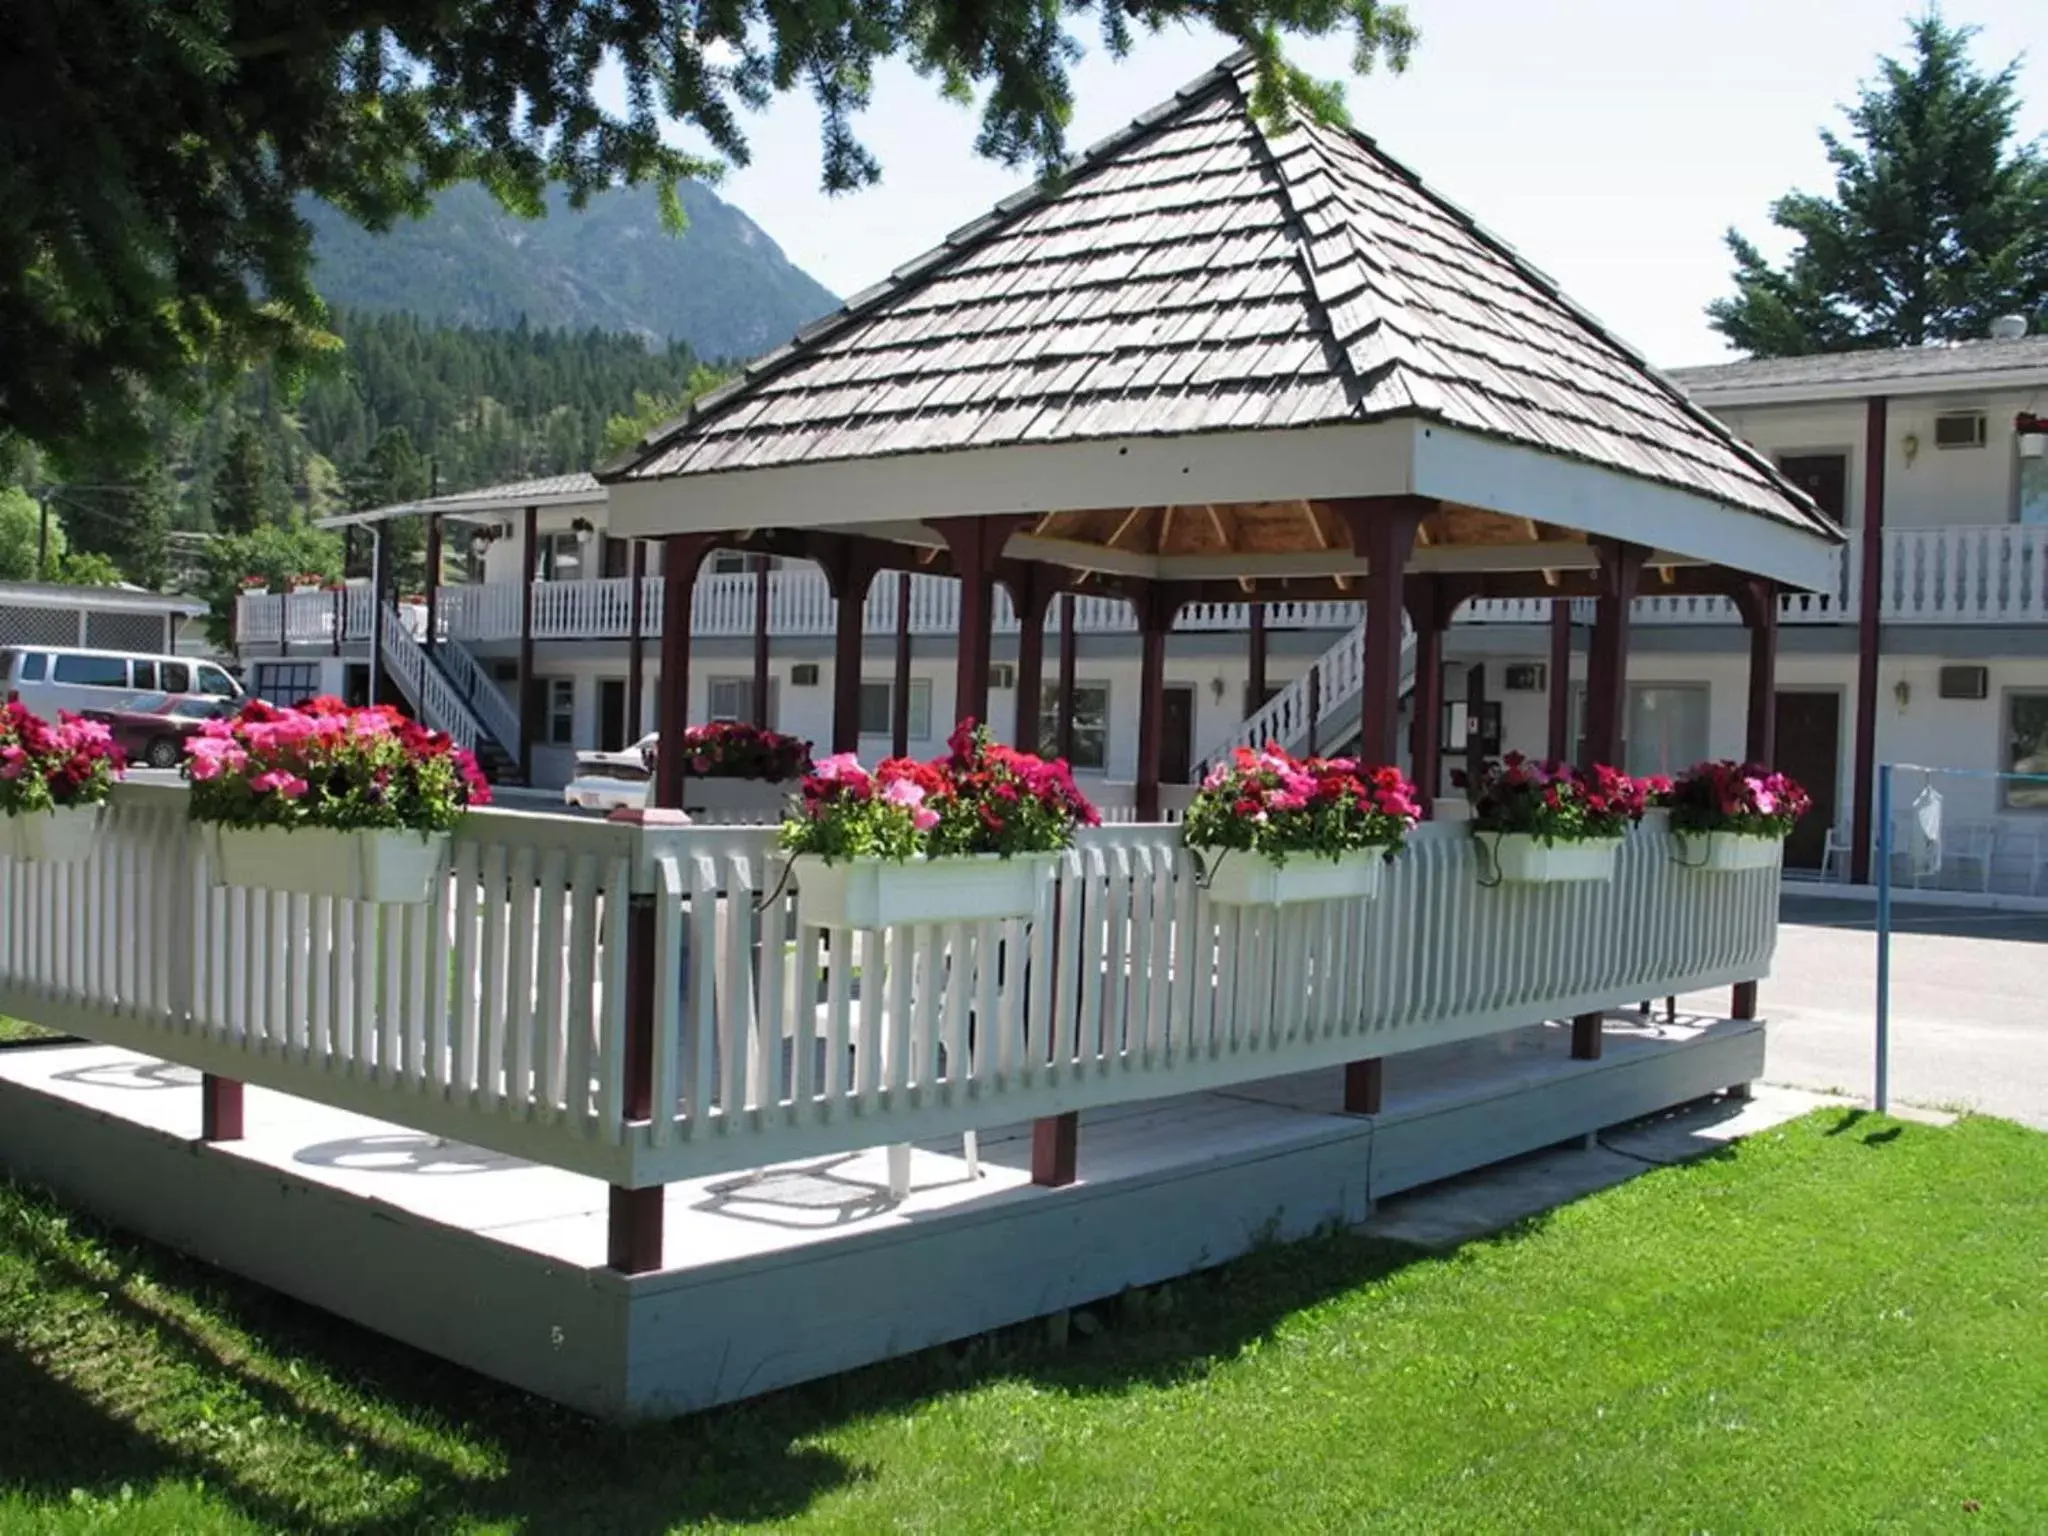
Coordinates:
1055 1149
1558 747
1382 534
681 556
636 620
1621 568
1156 605
1069 664
1031 594
760 699
849 576
1869 609
433 593
976 544
529 573
1756 599
1255 658
1430 601
220 1108
899 696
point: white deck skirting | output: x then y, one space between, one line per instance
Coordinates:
782 1275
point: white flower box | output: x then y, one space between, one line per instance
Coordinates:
749 800
1522 859
1722 852
1238 879
881 893
389 866
65 835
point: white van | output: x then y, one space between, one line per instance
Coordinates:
48 678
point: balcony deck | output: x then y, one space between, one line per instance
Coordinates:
779 1275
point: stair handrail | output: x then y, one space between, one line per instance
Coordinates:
496 713
1336 677
439 704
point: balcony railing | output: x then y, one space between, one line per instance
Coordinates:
496 1013
1990 575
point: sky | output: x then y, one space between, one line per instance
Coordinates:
1612 142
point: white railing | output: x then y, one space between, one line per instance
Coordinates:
436 700
1966 575
495 1014
1331 682
497 714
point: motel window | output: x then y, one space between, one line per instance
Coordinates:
562 556
1667 728
878 703
287 684
558 711
2026 750
732 698
2033 505
1091 723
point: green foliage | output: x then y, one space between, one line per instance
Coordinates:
624 432
152 243
120 513
20 529
1938 225
247 492
276 552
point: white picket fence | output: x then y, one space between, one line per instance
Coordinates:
495 1015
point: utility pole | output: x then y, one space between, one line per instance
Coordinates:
43 540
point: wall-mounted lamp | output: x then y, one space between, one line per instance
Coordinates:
1910 443
1902 694
1216 688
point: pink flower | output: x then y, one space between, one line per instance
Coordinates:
904 792
840 765
13 762
289 785
924 818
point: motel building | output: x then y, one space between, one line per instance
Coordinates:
1232 436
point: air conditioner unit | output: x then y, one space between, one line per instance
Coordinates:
804 675
1966 682
1959 429
1002 674
1525 677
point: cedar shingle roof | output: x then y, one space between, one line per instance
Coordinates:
1196 273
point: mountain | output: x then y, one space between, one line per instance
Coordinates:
722 286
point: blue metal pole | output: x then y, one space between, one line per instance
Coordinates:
1884 937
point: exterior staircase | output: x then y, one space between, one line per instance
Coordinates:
1319 710
450 692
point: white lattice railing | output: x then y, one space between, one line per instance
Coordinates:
495 1013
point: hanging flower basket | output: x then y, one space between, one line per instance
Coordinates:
54 784
1549 823
1273 829
1258 880
330 801
1726 852
1519 858
1731 816
385 865
970 837
956 888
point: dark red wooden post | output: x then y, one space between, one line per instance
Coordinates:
1560 742
1156 607
1621 567
761 642
220 1108
433 577
1256 660
849 574
1429 611
1757 601
1870 605
681 556
1069 663
976 543
633 1227
1382 534
1031 595
529 572
340 615
636 620
899 696
1315 706
1055 1149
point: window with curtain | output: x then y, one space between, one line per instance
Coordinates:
1091 723
877 708
1667 727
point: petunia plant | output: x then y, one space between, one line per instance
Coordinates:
46 767
1554 802
981 798
732 749
1744 798
1279 806
328 765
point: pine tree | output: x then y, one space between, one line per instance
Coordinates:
246 491
1938 225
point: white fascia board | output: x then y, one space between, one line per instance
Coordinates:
1918 386
1320 462
1525 482
466 508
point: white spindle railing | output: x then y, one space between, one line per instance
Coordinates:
495 1013
1950 575
1331 682
497 714
435 698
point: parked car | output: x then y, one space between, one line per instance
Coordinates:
152 728
48 678
605 781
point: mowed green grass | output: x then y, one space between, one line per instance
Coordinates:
15 1029
1838 1326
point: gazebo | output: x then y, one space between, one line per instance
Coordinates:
1216 361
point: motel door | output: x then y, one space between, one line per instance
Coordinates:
1809 730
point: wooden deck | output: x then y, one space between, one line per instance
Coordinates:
780 1275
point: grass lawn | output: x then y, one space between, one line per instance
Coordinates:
15 1029
1838 1326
